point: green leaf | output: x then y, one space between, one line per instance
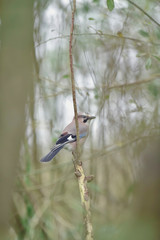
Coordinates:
148 63
30 210
107 97
158 34
143 33
66 76
91 19
141 55
96 96
86 7
157 57
99 31
154 90
110 4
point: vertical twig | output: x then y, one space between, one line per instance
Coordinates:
85 199
82 179
72 78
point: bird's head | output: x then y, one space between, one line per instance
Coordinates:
84 117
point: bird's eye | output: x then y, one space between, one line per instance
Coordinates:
85 119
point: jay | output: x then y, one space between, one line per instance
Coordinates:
68 136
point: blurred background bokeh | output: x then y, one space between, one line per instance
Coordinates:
117 71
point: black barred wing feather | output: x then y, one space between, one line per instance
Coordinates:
61 142
63 139
52 153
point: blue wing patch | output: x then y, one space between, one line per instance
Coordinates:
83 135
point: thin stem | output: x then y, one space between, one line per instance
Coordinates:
98 34
72 77
79 172
152 19
85 200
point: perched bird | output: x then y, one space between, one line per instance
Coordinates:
68 135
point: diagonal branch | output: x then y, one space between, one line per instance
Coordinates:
138 7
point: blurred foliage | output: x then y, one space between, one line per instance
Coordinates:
117 71
110 4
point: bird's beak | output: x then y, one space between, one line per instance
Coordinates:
91 117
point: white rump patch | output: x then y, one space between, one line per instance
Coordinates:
70 138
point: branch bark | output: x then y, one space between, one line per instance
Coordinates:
72 78
79 172
141 9
100 35
85 199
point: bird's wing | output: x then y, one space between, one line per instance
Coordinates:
66 138
52 153
63 140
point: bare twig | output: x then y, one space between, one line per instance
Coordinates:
152 78
79 172
85 200
125 85
118 147
100 34
72 77
138 7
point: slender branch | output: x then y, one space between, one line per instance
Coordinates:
85 200
114 148
72 78
98 34
79 172
152 19
125 85
152 78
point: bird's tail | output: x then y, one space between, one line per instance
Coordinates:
52 153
